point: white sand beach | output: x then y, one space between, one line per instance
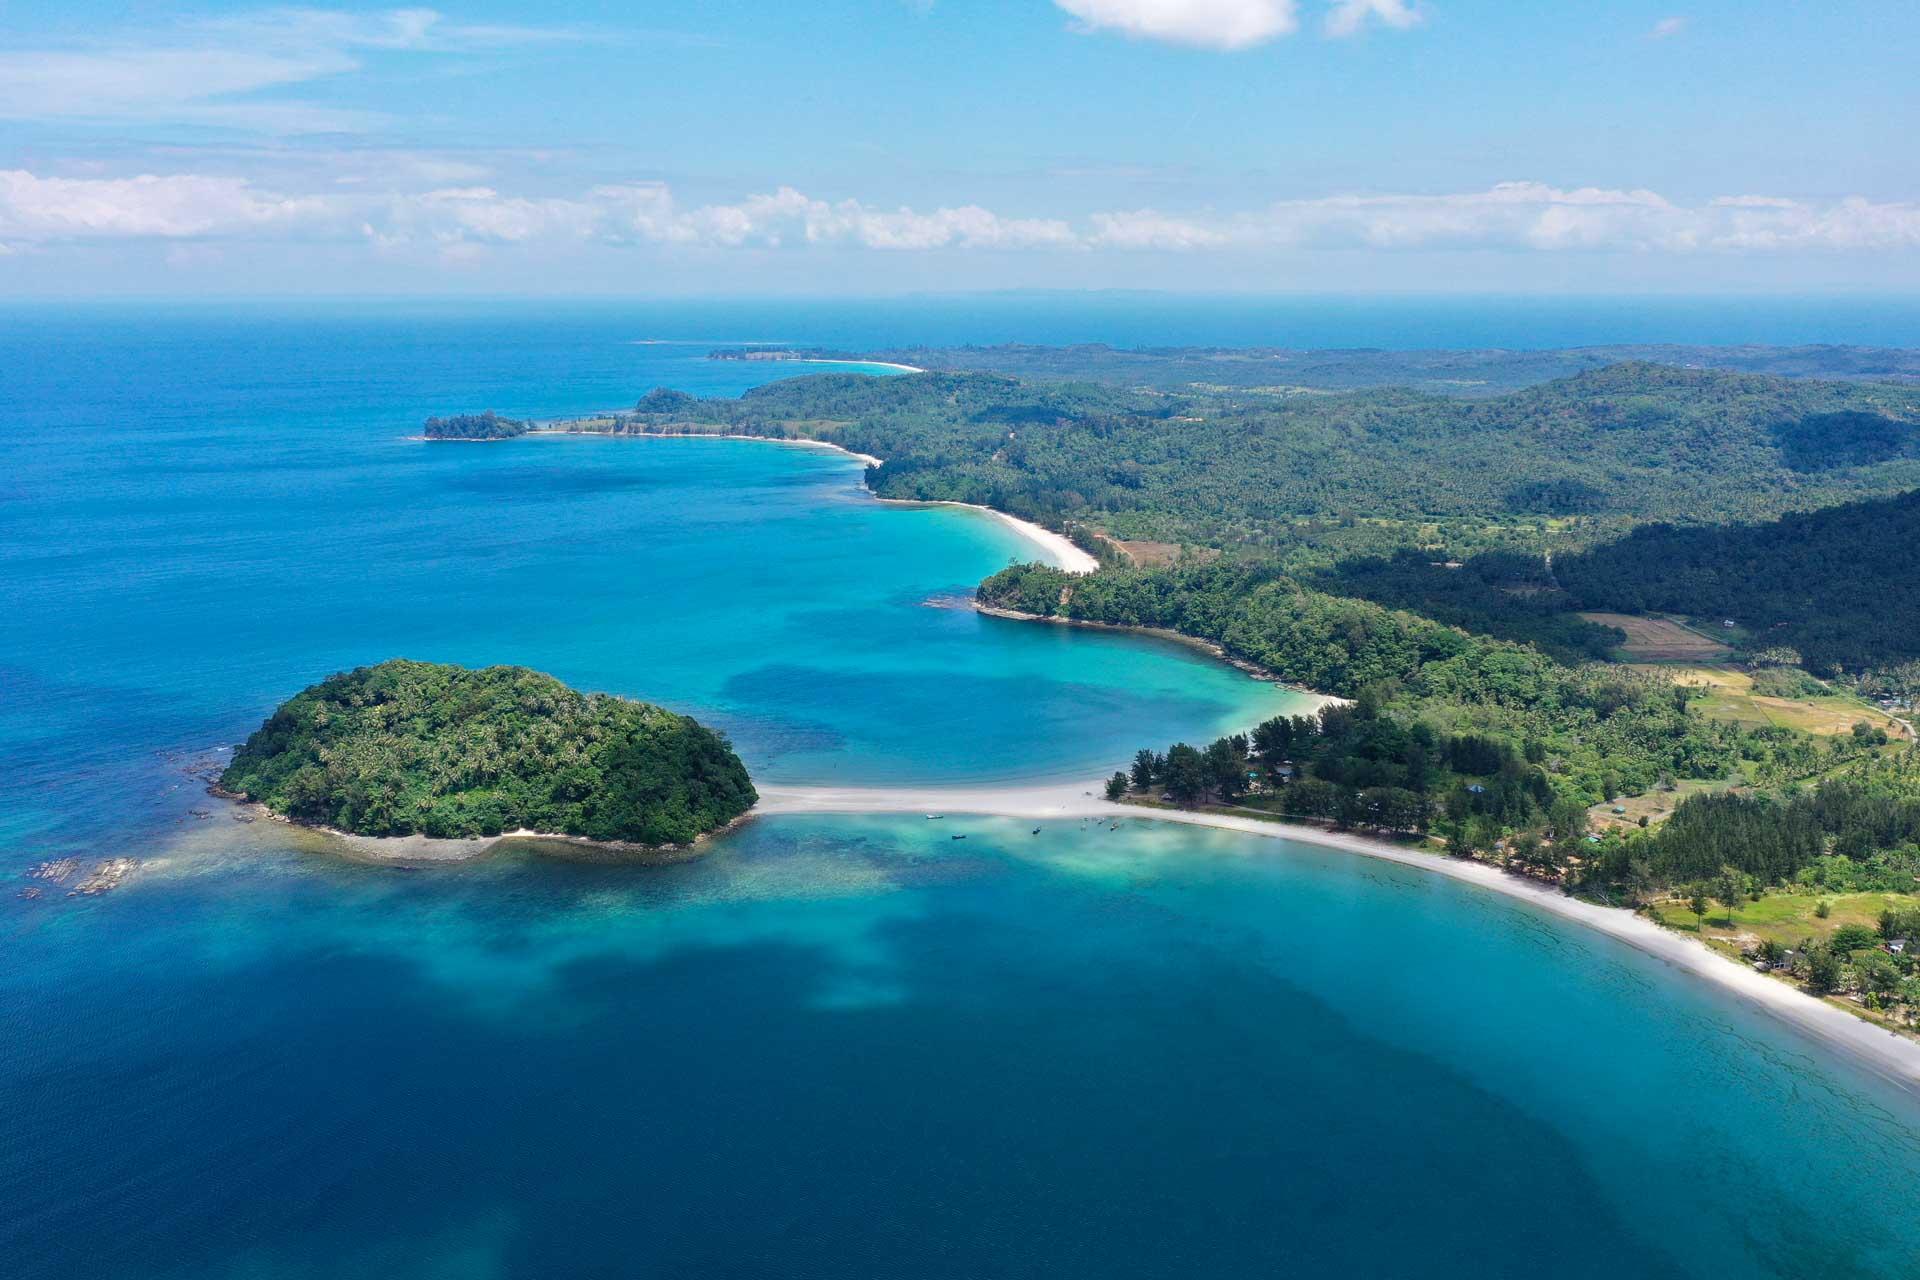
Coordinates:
1055 548
871 364
1885 1053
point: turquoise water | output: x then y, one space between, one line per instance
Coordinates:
199 523
835 1046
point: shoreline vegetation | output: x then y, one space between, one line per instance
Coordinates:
1515 722
1211 648
423 850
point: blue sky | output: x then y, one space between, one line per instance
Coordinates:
883 146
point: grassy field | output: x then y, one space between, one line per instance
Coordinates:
1786 918
1158 555
1656 806
1660 639
1730 697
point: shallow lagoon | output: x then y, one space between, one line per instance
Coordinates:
835 1046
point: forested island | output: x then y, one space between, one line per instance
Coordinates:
418 748
475 426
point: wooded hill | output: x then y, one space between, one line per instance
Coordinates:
1572 460
1281 371
418 747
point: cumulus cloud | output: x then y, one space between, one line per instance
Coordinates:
461 220
1536 216
1233 24
149 206
1205 24
1147 229
787 218
1349 17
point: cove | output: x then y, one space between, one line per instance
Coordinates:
837 1045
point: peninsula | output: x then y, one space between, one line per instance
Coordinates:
427 749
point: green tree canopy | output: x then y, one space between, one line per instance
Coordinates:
425 748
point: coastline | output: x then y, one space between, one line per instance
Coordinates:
792 359
651 434
424 850
1887 1054
872 364
1207 647
1056 548
1883 1052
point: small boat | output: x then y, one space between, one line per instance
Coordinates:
935 817
1036 831
961 836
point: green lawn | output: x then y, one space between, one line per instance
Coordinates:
1786 918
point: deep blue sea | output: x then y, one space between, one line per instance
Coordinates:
834 1046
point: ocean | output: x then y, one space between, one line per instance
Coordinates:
833 1046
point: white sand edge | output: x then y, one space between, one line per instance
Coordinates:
1055 548
1887 1054
871 364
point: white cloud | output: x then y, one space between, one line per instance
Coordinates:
149 206
187 85
1146 229
480 214
788 218
1348 17
207 73
1667 28
459 221
1233 24
1205 24
1535 216
406 30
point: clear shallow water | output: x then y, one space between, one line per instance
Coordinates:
858 1047
200 519
835 1046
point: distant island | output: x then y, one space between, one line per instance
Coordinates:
475 426
419 748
